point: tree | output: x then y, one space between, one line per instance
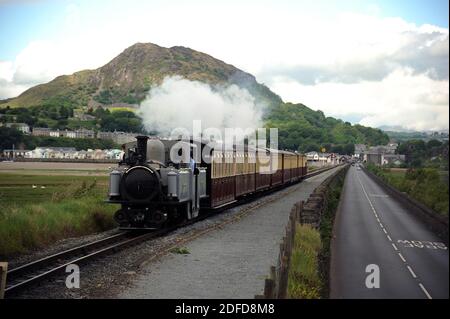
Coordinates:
10 136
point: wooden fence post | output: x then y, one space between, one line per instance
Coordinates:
3 271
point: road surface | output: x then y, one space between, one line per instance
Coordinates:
372 228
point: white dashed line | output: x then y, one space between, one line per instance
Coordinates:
411 271
425 291
413 274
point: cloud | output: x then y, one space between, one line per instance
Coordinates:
403 98
304 56
356 56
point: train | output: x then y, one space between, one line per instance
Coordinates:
154 190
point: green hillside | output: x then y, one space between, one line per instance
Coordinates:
128 77
303 129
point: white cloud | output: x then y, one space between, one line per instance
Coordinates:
286 47
402 98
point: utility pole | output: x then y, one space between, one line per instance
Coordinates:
13 153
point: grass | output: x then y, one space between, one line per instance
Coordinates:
310 262
69 206
304 281
180 250
18 188
425 185
326 231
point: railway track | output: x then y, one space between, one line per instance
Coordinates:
31 273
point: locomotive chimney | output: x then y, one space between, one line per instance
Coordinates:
142 148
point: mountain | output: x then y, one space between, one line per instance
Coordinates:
130 75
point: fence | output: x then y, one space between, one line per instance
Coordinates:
3 271
309 212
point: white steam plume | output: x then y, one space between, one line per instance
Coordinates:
177 102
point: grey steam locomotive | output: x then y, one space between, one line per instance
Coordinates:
153 191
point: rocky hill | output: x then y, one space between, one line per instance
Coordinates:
129 76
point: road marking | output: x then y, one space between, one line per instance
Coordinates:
425 291
411 271
413 274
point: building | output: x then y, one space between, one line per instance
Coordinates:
393 159
56 133
359 150
117 137
312 156
11 154
23 127
70 134
84 133
373 158
40 131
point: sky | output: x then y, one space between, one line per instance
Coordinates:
377 63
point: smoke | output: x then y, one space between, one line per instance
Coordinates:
177 102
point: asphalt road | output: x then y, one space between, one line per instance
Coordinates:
372 228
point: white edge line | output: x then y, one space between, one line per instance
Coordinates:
425 291
411 271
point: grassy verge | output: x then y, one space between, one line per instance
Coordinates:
60 211
304 281
424 185
310 261
326 232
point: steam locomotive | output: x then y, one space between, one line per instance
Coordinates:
153 190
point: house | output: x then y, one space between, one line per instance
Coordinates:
40 131
359 150
23 127
117 137
393 159
52 152
373 157
70 134
10 153
84 133
56 133
391 148
312 156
